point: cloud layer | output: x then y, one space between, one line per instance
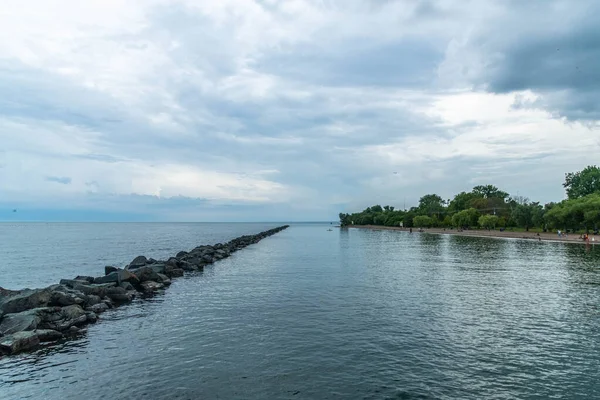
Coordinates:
296 110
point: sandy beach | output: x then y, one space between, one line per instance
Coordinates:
571 238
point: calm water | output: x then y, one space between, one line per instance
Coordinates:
312 314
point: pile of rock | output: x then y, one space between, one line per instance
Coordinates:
29 317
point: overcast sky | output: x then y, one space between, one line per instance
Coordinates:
258 110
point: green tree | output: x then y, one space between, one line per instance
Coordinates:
466 218
461 201
431 204
488 221
582 183
422 221
376 209
522 214
447 222
488 192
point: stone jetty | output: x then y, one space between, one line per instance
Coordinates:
31 317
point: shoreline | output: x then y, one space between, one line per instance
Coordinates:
30 318
494 234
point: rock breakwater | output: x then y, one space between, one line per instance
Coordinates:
30 317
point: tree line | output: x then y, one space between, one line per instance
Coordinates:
488 207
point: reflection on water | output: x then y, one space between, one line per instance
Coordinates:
312 314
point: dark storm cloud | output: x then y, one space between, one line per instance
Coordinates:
551 48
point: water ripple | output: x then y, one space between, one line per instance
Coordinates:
311 314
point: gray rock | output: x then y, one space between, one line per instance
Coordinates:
117 277
23 321
151 261
17 301
63 319
108 269
94 289
73 329
118 294
74 282
146 274
93 299
159 268
60 298
173 262
164 279
48 335
151 286
139 261
127 286
89 279
208 259
186 266
91 317
19 341
98 308
181 254
176 272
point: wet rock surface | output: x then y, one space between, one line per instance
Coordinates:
29 317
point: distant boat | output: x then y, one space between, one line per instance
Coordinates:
329 230
15 210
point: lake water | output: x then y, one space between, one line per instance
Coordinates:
312 314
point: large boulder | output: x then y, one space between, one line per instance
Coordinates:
181 254
137 262
164 279
89 279
117 277
23 321
159 268
146 274
94 289
17 301
173 272
74 282
19 341
108 269
118 295
64 298
62 319
93 299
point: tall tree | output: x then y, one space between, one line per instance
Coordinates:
582 183
461 201
431 204
489 191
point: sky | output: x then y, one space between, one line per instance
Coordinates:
264 110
